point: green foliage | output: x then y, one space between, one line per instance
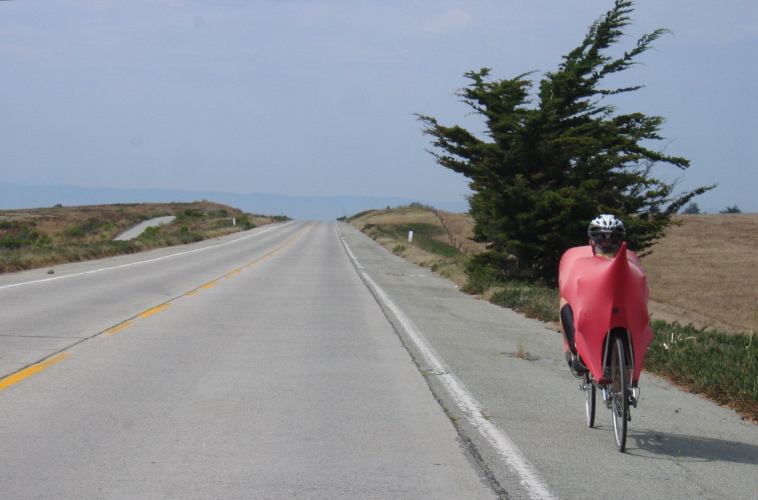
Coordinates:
190 213
531 300
150 233
12 242
19 235
186 237
75 232
693 209
244 221
717 365
731 210
553 161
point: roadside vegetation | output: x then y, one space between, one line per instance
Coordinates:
719 365
42 237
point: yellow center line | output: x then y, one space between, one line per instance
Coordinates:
283 246
118 328
26 372
153 310
31 370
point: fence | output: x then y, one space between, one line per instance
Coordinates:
464 246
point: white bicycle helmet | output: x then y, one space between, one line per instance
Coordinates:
606 232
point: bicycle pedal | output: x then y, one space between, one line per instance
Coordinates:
634 397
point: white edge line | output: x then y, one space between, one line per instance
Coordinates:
470 407
138 262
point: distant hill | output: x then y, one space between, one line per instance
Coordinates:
17 196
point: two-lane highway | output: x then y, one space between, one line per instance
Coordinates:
256 367
43 313
305 361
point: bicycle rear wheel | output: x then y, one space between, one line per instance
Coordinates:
589 394
619 393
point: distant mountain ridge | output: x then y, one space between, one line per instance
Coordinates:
18 196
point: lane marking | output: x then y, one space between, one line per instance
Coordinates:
154 310
471 408
31 370
118 328
144 261
26 372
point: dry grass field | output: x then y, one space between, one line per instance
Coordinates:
704 272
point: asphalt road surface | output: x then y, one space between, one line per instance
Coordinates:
302 360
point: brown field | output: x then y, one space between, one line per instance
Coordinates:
704 271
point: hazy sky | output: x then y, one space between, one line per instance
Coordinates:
317 98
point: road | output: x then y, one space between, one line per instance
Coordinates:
302 360
140 228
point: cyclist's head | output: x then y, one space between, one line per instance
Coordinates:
606 233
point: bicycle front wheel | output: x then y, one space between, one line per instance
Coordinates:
589 395
619 393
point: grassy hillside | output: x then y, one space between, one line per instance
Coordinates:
41 237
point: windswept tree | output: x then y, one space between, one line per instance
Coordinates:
553 159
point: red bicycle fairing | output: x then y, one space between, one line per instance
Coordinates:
604 294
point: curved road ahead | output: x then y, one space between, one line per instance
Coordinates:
302 360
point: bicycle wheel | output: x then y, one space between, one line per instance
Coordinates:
619 393
589 395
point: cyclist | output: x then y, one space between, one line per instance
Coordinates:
606 234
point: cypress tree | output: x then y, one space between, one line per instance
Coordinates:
554 159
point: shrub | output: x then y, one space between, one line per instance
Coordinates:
531 300
12 242
75 232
